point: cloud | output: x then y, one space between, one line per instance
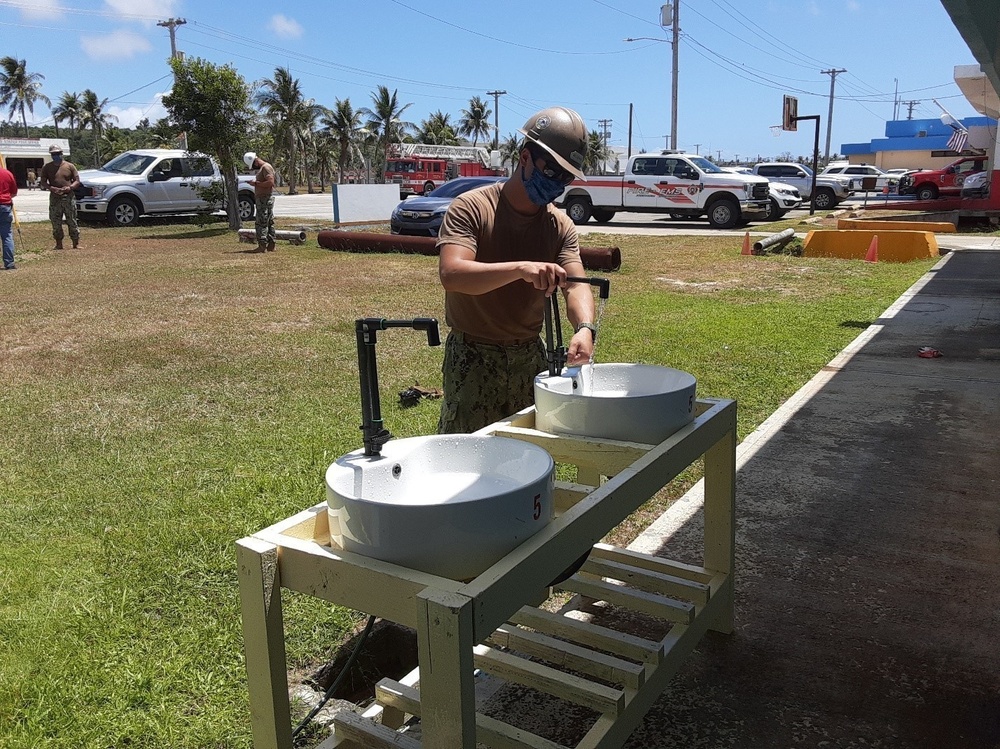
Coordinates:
286 28
130 116
150 11
42 9
117 45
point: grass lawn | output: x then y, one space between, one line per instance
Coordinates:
167 393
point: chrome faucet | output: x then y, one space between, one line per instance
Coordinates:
375 434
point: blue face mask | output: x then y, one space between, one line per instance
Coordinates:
57 157
541 190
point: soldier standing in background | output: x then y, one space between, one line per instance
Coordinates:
61 178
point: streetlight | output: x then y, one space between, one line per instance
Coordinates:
669 17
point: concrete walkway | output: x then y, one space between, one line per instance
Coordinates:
868 550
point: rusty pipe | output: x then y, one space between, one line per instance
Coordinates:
594 258
295 237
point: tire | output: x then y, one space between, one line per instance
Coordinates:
245 207
724 213
579 210
927 192
825 199
603 215
774 211
428 186
124 211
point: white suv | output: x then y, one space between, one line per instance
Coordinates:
882 179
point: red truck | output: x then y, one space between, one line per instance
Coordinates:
928 184
419 167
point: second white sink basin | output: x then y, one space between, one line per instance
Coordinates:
450 505
630 402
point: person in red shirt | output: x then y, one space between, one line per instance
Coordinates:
8 189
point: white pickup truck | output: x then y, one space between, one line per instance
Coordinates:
679 184
831 189
153 182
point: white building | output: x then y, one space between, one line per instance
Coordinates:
27 155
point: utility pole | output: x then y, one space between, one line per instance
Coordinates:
696 147
909 108
666 142
674 21
496 116
606 131
171 24
718 155
833 72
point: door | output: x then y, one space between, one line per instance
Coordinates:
165 192
648 186
199 174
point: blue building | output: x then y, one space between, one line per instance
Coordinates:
921 144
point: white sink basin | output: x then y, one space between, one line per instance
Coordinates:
630 402
451 505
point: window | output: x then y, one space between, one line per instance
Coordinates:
199 166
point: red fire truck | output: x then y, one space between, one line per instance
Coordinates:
418 167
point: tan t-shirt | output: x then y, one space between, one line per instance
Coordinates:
483 221
62 174
265 172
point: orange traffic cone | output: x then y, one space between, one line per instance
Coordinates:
872 256
746 245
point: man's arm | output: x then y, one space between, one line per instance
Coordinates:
460 271
579 309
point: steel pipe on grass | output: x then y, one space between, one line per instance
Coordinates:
295 237
775 241
594 258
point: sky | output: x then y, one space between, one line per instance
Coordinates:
736 60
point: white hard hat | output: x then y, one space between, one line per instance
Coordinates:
248 158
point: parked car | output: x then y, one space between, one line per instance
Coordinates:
422 215
153 181
783 197
929 184
831 189
882 179
976 185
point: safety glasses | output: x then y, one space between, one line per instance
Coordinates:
550 170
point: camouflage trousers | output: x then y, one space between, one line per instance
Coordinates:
59 206
264 219
484 383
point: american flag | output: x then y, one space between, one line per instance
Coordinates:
958 140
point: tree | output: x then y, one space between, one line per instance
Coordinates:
213 105
510 149
385 121
475 120
69 107
291 116
437 130
95 117
343 124
597 154
20 89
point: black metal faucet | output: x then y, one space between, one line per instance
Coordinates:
375 434
555 351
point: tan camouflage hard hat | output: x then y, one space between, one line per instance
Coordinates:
562 134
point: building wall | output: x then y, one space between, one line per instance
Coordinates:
920 144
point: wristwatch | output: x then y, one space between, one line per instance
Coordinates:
589 326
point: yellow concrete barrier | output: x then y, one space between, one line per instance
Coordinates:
940 227
893 246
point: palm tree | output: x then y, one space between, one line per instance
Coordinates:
69 107
343 124
510 149
597 154
291 116
437 130
94 116
475 120
20 89
385 120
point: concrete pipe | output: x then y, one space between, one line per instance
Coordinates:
774 242
594 258
295 237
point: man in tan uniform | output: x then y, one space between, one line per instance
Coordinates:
263 192
504 250
61 178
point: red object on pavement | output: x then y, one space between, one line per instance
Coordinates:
929 353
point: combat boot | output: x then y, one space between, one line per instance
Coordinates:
59 244
76 244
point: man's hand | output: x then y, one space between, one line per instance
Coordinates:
581 348
545 276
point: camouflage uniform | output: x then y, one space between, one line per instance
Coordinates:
60 205
486 382
264 224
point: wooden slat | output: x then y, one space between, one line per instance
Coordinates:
495 733
638 600
371 735
610 457
656 564
550 680
567 494
591 635
647 580
568 655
